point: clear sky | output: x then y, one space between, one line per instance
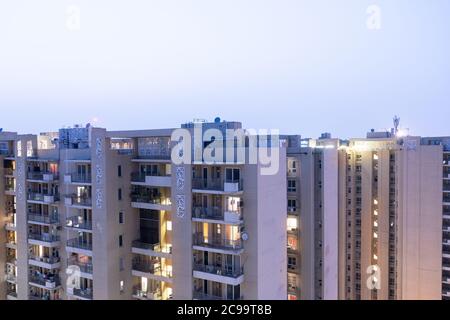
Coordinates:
302 66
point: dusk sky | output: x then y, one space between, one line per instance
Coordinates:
299 66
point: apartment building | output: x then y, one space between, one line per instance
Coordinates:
312 217
445 143
390 218
94 214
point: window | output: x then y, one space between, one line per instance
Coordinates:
232 175
169 226
292 186
292 263
119 171
292 205
119 194
121 241
121 217
122 287
121 264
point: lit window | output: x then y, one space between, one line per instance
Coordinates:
169 225
291 224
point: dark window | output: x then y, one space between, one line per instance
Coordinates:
119 194
120 217
119 171
120 241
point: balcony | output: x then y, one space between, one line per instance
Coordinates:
44 262
42 176
226 274
11 243
202 185
10 226
153 179
200 295
151 269
43 198
10 189
218 245
45 282
12 260
153 250
79 246
77 222
43 219
145 295
217 214
82 294
76 178
11 295
43 239
78 202
11 278
142 201
8 172
85 267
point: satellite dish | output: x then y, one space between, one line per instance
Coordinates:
217 120
244 236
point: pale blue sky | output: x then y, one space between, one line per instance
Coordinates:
302 66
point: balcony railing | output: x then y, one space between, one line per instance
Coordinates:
215 213
45 237
85 267
149 267
6 153
48 219
78 222
140 198
140 176
48 260
164 156
8 171
153 247
226 271
42 176
11 259
137 292
9 188
217 184
81 178
73 200
50 282
77 243
84 293
220 243
200 295
43 197
11 277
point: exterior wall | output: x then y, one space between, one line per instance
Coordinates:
330 224
420 213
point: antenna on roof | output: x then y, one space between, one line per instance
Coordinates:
396 124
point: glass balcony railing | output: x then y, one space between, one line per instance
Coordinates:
73 200
219 243
40 218
42 176
78 222
80 178
148 295
153 247
142 198
217 184
49 282
86 293
8 171
216 213
152 268
45 237
77 243
140 176
85 267
48 260
200 295
226 271
41 197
